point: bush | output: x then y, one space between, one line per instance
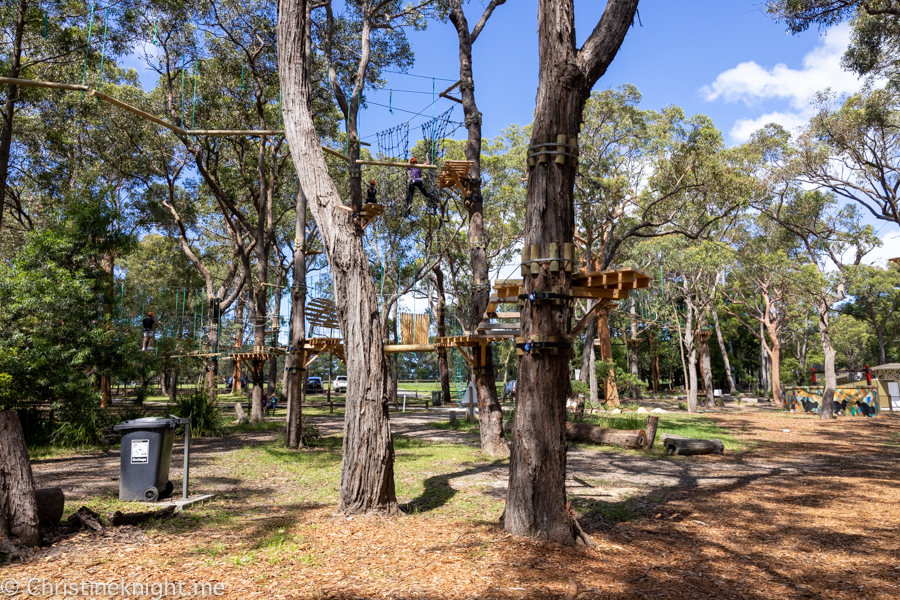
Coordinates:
80 421
206 418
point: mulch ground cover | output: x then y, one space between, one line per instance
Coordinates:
818 516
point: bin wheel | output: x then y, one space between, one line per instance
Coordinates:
151 494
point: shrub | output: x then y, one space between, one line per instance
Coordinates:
206 418
80 421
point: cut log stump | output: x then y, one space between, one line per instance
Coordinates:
652 424
50 504
677 445
582 432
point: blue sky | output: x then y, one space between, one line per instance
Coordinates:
725 59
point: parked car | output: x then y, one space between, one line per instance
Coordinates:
340 384
510 390
314 384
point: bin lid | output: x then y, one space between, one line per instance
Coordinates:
148 423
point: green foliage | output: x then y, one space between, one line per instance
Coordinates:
624 379
206 417
79 421
580 388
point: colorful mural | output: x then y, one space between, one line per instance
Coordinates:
848 401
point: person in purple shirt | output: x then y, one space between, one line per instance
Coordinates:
415 181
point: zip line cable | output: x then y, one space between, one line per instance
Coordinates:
420 76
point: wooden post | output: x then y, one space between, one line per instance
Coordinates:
535 255
554 253
652 424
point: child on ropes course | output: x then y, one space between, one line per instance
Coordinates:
415 181
372 193
148 325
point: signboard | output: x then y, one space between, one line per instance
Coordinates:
140 452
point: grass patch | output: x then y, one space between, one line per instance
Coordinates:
50 451
691 426
458 425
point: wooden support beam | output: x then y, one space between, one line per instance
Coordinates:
43 84
400 348
586 318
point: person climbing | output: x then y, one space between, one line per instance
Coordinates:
415 181
148 325
372 193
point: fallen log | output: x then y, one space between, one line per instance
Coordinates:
583 432
652 424
85 517
120 518
50 504
677 445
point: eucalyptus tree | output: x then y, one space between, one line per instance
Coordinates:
647 174
49 40
875 294
762 286
535 502
832 237
852 150
490 414
874 48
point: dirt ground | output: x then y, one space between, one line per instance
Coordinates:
808 509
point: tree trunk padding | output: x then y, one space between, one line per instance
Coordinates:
50 504
18 510
682 446
120 518
582 432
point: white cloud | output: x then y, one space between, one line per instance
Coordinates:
752 84
890 248
744 128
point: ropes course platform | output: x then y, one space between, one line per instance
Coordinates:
454 176
370 212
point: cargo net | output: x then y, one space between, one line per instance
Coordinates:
393 146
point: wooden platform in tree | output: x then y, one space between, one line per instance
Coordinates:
454 175
321 312
370 212
597 285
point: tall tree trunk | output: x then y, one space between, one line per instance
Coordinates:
272 382
18 510
443 366
536 500
654 361
9 107
490 414
173 387
588 371
367 469
763 361
706 368
731 387
214 313
690 346
238 342
633 357
295 387
611 391
828 350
